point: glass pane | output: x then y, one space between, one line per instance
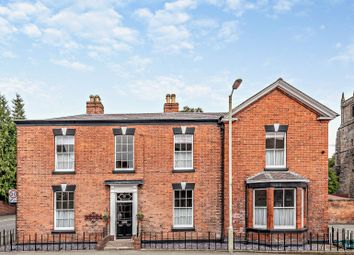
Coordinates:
280 142
71 195
270 158
278 198
177 147
289 198
59 149
189 147
260 198
189 193
270 143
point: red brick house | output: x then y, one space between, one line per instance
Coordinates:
171 167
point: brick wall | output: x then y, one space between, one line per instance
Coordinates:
94 152
6 209
307 153
341 210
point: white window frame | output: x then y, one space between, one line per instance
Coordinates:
289 226
115 154
56 156
173 208
275 134
174 153
254 210
55 213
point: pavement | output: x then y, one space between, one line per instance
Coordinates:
7 222
146 252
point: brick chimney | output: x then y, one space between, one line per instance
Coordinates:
171 105
94 106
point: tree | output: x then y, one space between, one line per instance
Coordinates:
190 109
7 149
333 182
18 108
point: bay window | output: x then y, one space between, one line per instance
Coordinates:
260 208
284 208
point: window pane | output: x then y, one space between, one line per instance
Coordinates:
280 142
270 141
270 158
289 198
260 198
278 198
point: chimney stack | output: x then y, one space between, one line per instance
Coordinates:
170 104
94 105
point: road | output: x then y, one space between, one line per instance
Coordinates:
7 222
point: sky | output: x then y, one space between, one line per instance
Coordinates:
132 53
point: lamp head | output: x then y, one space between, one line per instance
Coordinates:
237 84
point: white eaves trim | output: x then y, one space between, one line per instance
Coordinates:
267 181
324 112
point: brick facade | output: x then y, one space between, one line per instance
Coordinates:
306 153
94 164
6 209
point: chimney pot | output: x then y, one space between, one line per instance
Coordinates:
171 105
94 105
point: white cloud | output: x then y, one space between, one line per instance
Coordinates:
284 5
229 31
168 27
74 65
346 56
32 30
72 25
11 85
6 28
7 54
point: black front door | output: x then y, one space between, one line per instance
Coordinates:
124 219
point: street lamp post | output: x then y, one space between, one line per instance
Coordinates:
235 86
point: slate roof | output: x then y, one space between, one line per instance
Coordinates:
130 118
276 176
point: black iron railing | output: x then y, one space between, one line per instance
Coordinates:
12 241
280 241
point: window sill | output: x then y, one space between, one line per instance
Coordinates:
289 230
185 229
118 171
276 169
64 172
187 170
63 231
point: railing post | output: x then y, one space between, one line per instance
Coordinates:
258 241
311 241
35 241
10 241
59 241
284 241
209 240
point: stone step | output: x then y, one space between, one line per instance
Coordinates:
120 244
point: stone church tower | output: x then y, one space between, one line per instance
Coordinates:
345 148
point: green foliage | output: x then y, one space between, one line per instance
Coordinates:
18 108
8 143
333 180
190 109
